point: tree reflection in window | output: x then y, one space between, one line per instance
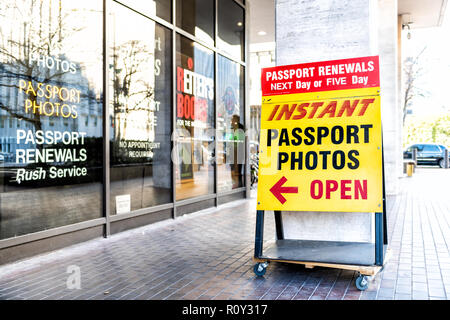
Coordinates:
50 80
140 108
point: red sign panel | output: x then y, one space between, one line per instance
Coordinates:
321 76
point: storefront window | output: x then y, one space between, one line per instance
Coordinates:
231 28
197 18
52 116
160 8
50 81
140 111
194 155
230 125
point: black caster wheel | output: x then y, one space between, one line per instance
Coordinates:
260 269
361 282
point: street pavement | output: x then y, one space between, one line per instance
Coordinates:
208 255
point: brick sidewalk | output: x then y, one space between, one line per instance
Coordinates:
207 255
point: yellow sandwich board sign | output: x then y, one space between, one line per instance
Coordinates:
321 140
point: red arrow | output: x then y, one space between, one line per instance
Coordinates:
278 189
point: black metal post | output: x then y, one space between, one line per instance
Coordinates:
259 233
279 225
174 143
216 105
385 236
379 241
106 124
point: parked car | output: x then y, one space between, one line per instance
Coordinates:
6 157
427 154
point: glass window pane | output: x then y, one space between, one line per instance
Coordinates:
231 28
50 82
140 110
197 18
431 148
160 8
195 119
230 125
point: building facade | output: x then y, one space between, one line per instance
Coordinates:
116 114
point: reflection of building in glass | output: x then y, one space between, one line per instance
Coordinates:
195 119
230 125
59 43
50 84
140 110
14 116
36 51
134 82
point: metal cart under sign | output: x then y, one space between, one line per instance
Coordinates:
321 149
331 254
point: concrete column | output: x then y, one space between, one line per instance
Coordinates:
391 114
316 30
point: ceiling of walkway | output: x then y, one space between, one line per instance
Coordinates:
423 13
262 18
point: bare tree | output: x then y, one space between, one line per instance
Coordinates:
132 90
412 70
40 38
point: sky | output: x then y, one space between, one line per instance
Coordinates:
435 61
